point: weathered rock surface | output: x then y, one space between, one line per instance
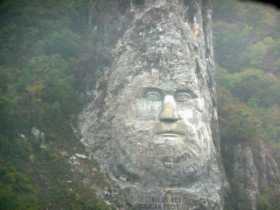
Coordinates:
252 172
151 126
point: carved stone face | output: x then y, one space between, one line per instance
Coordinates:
161 125
149 127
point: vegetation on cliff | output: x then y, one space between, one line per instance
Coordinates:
44 62
247 48
41 43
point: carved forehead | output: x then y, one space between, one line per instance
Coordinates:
176 78
166 80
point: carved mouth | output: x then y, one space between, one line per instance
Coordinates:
171 129
170 133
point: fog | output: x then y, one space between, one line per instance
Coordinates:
53 56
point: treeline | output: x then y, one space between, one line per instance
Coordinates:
247 47
41 46
46 56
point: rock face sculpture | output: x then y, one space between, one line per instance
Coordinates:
152 124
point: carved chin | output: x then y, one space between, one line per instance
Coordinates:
144 155
169 140
173 170
175 159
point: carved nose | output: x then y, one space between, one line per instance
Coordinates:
168 112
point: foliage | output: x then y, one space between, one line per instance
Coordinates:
248 72
43 42
247 50
268 200
231 40
16 190
238 122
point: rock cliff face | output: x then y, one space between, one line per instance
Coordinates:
253 174
152 123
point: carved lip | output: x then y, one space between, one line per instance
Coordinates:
170 129
170 133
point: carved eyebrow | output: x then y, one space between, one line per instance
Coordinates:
187 90
157 93
152 89
163 92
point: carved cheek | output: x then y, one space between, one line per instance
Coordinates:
191 119
147 110
186 114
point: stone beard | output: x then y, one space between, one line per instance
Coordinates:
161 127
150 126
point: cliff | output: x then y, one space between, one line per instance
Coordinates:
166 39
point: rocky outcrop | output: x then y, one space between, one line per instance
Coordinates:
252 172
152 125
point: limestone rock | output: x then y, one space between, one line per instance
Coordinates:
152 125
251 171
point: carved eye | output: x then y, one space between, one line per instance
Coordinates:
184 95
153 95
